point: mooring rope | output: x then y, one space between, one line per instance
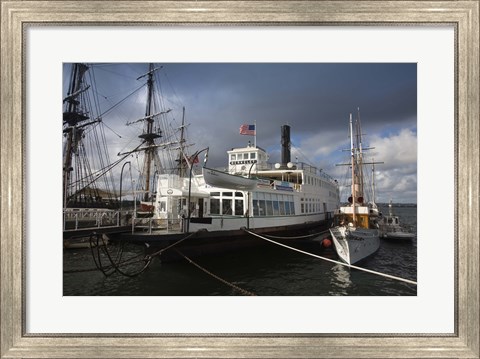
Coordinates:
237 288
299 237
157 253
331 260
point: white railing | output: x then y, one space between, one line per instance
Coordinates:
169 225
80 218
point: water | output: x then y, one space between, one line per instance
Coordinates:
267 270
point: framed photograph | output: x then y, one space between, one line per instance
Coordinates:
439 40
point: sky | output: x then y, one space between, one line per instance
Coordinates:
315 99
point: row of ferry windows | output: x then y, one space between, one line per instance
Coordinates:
243 156
314 181
310 208
264 204
272 208
311 205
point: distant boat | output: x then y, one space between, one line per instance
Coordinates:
354 235
390 227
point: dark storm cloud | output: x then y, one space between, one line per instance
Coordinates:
310 97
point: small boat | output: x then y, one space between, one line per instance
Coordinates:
221 179
354 234
390 227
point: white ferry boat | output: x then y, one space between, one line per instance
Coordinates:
251 193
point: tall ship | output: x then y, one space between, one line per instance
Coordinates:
90 197
355 234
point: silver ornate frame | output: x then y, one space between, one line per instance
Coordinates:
463 15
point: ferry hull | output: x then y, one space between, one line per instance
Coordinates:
204 242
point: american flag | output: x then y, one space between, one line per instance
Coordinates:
247 130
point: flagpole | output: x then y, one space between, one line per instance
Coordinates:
255 136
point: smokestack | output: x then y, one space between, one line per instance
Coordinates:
285 144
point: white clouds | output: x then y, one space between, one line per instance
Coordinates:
397 177
396 150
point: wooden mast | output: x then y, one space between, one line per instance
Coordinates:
354 194
149 135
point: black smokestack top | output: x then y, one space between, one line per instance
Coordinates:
285 144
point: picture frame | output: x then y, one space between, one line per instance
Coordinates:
17 15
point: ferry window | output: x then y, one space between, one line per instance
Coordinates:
227 206
255 208
287 208
215 194
252 155
239 207
163 206
227 194
233 157
214 206
245 156
269 208
238 194
302 208
276 211
281 204
262 208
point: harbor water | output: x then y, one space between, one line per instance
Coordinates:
266 270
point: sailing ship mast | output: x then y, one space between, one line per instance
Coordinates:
358 129
149 135
81 128
182 161
354 192
72 117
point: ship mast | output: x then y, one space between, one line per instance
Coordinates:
352 148
76 119
148 134
181 160
358 128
